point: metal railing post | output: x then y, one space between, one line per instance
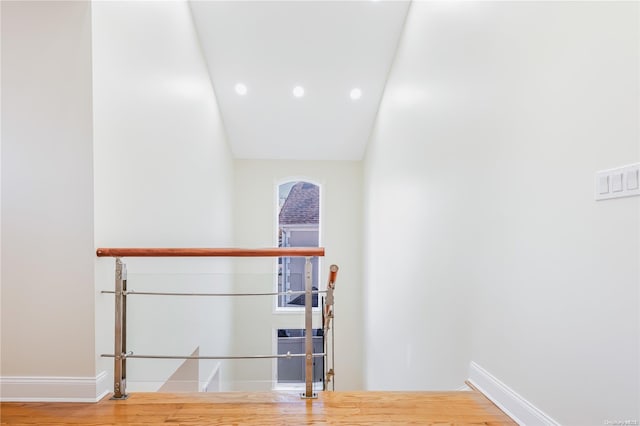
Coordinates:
120 348
328 318
308 326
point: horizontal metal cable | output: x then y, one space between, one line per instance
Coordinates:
287 355
151 293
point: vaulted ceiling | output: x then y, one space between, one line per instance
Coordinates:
258 52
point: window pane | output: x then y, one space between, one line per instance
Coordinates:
291 370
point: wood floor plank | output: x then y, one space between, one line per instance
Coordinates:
266 408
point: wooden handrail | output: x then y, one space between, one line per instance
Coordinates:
211 252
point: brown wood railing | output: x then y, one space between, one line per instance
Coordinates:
211 252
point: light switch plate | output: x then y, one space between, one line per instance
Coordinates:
617 183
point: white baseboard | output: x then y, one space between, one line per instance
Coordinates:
54 389
514 405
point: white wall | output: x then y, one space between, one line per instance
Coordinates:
47 195
163 178
479 205
341 230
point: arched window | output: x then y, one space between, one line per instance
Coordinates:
298 226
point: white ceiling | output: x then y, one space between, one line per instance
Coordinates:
328 47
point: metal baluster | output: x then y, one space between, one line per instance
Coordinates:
308 337
120 362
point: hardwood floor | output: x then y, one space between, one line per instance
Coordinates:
277 408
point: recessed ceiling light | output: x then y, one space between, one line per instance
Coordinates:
241 89
298 91
355 94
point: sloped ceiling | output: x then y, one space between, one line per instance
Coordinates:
327 47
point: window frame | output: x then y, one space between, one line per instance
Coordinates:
292 310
